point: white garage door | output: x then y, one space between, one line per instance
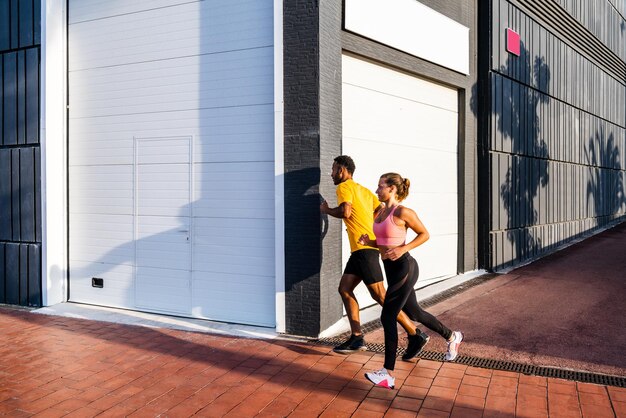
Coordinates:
394 122
171 157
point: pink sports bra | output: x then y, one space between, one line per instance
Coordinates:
388 233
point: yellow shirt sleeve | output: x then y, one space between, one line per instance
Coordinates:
344 194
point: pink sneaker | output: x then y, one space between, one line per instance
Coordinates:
381 378
453 346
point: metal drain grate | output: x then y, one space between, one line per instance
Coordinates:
586 377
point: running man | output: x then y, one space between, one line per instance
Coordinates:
357 206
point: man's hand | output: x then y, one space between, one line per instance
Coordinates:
324 207
342 211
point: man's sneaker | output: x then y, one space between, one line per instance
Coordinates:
453 346
352 345
381 378
416 343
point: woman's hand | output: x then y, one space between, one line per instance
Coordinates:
365 240
396 252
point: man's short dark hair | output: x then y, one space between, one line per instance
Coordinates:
346 162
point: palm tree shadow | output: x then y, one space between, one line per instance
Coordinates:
517 125
605 187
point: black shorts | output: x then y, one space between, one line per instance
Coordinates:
364 263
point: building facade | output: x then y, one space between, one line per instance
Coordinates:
552 149
170 156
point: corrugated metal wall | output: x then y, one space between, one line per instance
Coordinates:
556 138
20 186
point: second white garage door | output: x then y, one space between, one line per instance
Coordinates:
395 122
171 157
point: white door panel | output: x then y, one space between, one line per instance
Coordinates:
184 222
395 122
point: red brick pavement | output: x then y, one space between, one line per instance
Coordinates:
56 366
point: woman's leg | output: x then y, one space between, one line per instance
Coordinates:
415 311
400 287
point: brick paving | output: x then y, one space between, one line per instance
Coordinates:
56 366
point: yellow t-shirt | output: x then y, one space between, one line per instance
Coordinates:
361 220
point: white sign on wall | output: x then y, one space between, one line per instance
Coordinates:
411 27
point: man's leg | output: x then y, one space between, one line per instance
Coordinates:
346 289
377 291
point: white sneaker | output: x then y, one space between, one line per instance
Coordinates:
381 378
453 346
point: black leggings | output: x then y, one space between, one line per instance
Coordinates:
401 278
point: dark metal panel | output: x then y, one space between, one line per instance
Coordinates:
523 119
527 186
26 23
32 96
10 98
543 195
499 249
5 195
21 98
34 275
5 26
23 275
27 194
1 99
531 118
506 115
536 202
496 109
562 192
15 194
2 274
37 183
513 196
560 127
525 53
495 35
505 166
494 212
516 114
543 53
36 22
13 27
12 278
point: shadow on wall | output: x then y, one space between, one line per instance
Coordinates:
520 114
302 202
605 187
303 256
518 192
518 123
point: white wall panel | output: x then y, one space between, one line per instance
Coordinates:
220 134
394 122
194 229
118 290
189 29
233 78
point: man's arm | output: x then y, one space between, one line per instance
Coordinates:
344 210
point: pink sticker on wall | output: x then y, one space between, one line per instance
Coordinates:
512 42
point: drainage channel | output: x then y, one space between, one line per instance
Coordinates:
579 376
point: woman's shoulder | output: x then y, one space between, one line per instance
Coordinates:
402 210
